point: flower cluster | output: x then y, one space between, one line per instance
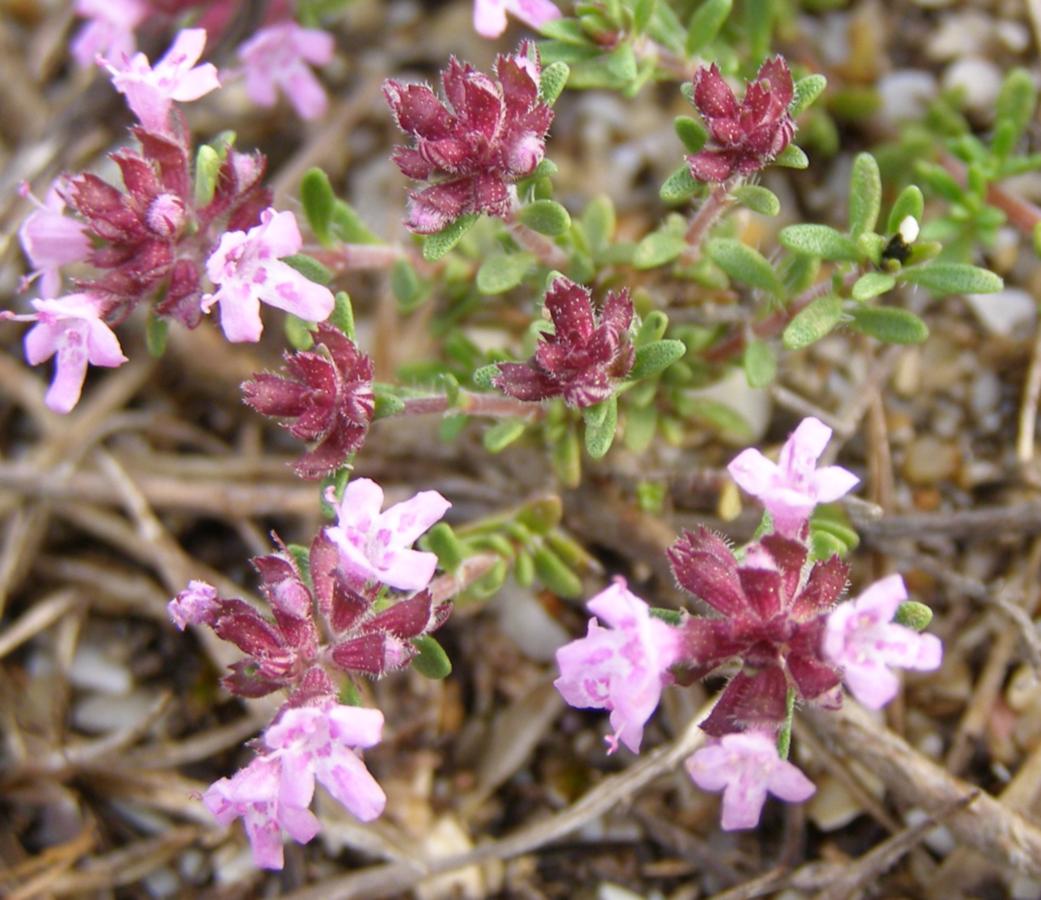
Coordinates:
777 617
745 136
326 396
331 618
486 135
159 238
583 354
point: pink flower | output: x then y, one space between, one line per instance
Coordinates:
745 136
374 546
745 767
277 57
622 669
490 15
315 743
197 604
51 240
326 393
584 353
863 641
255 794
793 486
151 91
489 133
248 269
109 33
70 328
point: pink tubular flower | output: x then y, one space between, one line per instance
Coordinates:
248 269
326 394
51 240
374 545
489 133
863 641
490 15
745 136
150 91
745 767
256 794
622 669
317 743
582 356
278 57
71 329
793 486
198 604
109 31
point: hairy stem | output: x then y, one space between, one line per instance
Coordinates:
716 203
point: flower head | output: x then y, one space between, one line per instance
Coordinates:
583 354
862 640
747 135
248 269
109 30
773 612
793 486
197 604
488 133
622 668
150 91
256 795
279 58
746 767
374 545
490 15
51 240
326 395
71 329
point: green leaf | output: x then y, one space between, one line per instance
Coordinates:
614 71
865 194
554 574
207 169
437 245
566 455
499 436
568 31
298 333
483 376
431 661
760 364
679 186
406 286
343 314
873 284
156 332
552 82
348 227
318 200
546 217
792 157
912 614
523 568
953 278
691 132
541 514
488 584
642 12
806 91
503 271
387 402
669 616
742 263
657 249
600 437
442 541
890 324
640 424
821 241
758 199
598 223
705 24
309 267
652 328
813 322
654 358
1017 101
870 246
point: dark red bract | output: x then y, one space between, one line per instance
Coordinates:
773 614
487 134
577 361
747 136
325 395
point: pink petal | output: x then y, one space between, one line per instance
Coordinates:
490 17
196 83
882 599
873 685
533 13
753 472
41 342
314 45
804 446
103 346
185 51
352 785
361 503
301 824
410 518
833 482
279 233
355 726
239 314
408 570
618 606
306 93
297 294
